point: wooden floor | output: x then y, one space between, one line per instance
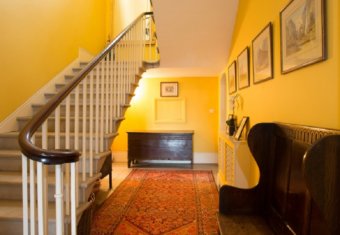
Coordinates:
120 171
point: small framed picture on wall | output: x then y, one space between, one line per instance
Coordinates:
263 55
169 89
241 127
243 69
303 34
232 78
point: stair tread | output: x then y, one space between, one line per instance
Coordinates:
62 134
9 134
15 177
26 118
9 153
17 153
12 209
72 104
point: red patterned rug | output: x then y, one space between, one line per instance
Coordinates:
160 202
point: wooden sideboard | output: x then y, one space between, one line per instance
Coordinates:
160 145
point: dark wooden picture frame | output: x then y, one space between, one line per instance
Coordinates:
262 46
169 89
241 127
243 69
303 38
232 86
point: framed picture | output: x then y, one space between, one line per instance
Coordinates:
169 89
263 55
243 69
302 34
232 78
241 127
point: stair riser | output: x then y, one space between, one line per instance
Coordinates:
126 98
51 142
51 125
127 89
10 164
15 227
14 192
11 143
94 76
14 164
36 108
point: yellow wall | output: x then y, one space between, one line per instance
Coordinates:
201 111
39 38
307 96
126 11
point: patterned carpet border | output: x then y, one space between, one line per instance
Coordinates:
150 202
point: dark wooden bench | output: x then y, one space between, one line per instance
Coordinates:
299 186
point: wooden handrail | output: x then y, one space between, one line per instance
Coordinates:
59 156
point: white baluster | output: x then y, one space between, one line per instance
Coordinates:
128 61
130 65
107 97
76 134
32 196
41 204
119 75
67 146
143 39
98 83
73 199
45 176
124 73
57 128
84 126
24 194
133 49
102 103
115 83
76 119
150 39
142 46
111 115
59 201
91 124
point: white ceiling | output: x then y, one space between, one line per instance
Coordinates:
194 36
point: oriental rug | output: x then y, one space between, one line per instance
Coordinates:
181 202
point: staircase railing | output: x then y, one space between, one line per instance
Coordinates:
62 140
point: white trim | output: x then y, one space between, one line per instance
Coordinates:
199 157
10 122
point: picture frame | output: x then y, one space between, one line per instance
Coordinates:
169 89
303 39
232 78
243 69
243 123
262 46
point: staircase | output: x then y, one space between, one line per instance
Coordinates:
69 153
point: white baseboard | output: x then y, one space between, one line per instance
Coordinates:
10 123
199 157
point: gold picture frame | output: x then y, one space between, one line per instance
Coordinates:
232 78
243 123
243 69
263 55
303 39
169 89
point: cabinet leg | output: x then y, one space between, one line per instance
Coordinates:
110 179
